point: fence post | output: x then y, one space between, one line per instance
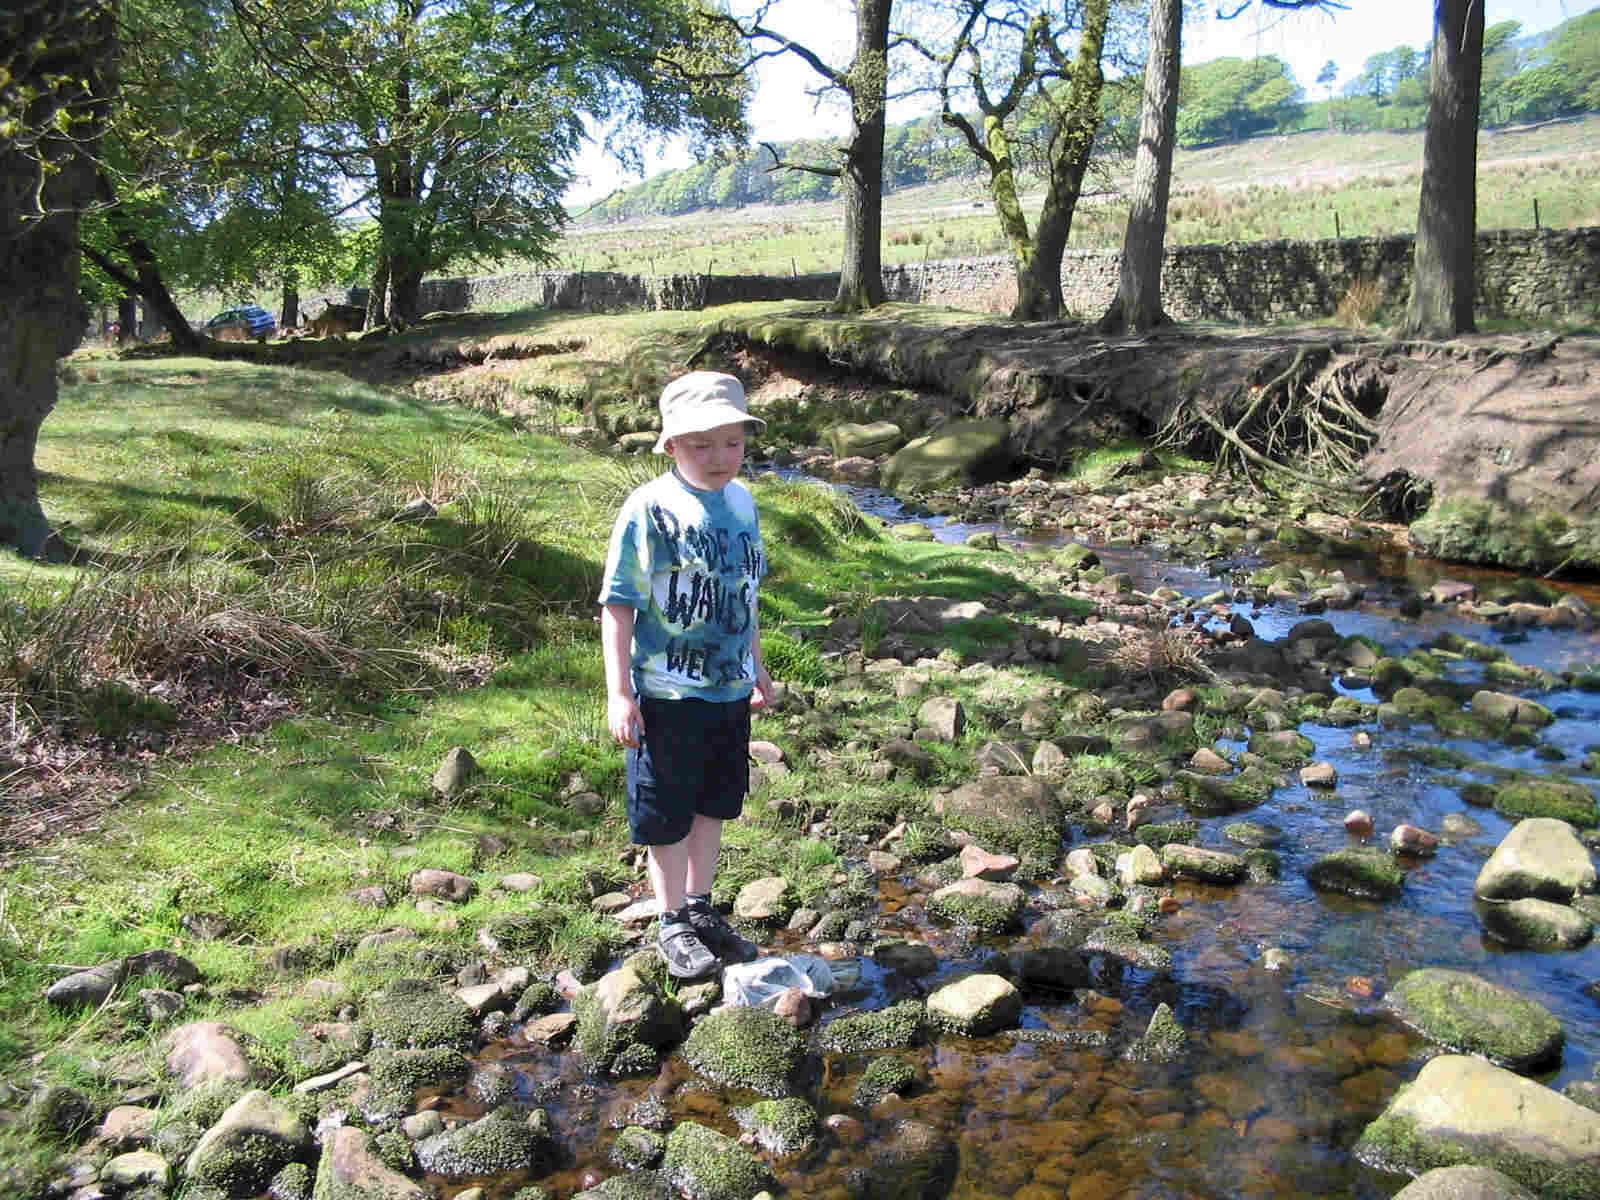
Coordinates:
1536 212
1336 232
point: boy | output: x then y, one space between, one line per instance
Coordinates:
682 653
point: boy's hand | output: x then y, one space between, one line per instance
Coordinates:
766 692
624 719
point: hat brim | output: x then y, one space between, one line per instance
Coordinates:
702 419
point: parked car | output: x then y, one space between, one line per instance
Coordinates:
241 324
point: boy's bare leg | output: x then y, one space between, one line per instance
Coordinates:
669 872
704 844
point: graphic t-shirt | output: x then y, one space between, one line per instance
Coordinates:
688 562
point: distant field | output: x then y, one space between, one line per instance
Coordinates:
1303 186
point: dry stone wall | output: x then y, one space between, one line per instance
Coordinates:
1526 273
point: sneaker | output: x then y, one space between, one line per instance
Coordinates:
722 938
686 955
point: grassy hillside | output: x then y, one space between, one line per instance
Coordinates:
1306 185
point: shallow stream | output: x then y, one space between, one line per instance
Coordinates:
1285 1067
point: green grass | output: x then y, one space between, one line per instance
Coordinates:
241 523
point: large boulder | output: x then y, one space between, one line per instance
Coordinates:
1463 1183
871 440
1533 924
961 452
1465 1111
350 1169
254 1140
1542 858
1470 1015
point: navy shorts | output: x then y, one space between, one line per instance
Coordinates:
693 757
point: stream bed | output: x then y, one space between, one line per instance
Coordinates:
1287 1061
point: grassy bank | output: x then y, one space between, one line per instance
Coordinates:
279 644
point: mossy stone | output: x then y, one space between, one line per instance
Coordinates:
1366 874
415 1014
709 1165
1470 1015
637 1148
786 1126
883 1077
747 1047
898 1026
1562 799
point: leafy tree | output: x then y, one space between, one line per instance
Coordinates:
1065 89
1576 52
1443 279
864 82
1232 98
458 120
57 77
1538 94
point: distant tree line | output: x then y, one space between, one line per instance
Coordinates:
1538 78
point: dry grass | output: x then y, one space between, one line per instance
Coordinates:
1362 303
1164 655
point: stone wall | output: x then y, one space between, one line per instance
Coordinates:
1525 273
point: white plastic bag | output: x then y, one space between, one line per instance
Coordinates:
763 981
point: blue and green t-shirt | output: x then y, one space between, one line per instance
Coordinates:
688 562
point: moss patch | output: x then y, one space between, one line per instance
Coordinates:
747 1047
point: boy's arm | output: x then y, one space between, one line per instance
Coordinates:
765 695
616 644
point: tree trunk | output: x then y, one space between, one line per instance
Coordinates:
1039 299
42 317
128 317
1137 306
289 314
405 296
378 294
1443 283
861 272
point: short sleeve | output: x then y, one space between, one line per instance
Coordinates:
627 571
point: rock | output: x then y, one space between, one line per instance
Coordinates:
1367 874
1414 841
624 1008
945 716
1536 924
483 998
908 958
58 1111
1561 799
1503 709
764 901
127 1127
241 1153
709 1165
1319 775
1541 858
908 756
520 881
1209 866
991 907
975 1006
1464 1111
780 1127
453 775
492 1145
794 1006
415 1014
959 452
1285 747
1469 1015
207 1052
1464 1183
1141 867
375 896
977 863
869 440
85 988
879 862
350 1169
1007 810
175 970
1358 823
748 1047
446 885
159 1005
1164 1039
1209 762
637 1148
910 1160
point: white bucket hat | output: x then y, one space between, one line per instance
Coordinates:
699 401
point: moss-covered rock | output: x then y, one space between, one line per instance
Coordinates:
884 1076
1017 813
350 1169
1164 1038
626 1007
1536 924
959 452
991 907
1469 1015
1562 799
492 1145
1119 940
1464 1111
975 1006
1286 747
1366 874
58 1112
911 1160
248 1145
394 1076
708 1165
747 1047
637 1148
1207 866
786 1126
896 1027
1158 834
415 1014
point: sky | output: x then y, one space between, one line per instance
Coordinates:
781 111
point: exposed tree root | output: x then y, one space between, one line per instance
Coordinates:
1308 423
